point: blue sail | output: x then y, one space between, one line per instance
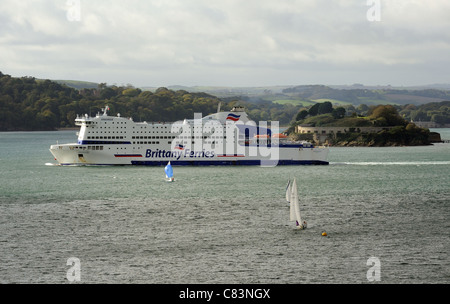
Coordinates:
169 170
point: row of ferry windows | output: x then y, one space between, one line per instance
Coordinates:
101 132
156 137
169 142
137 131
152 137
126 131
142 127
105 122
146 142
87 148
100 148
134 143
120 122
105 137
182 137
137 127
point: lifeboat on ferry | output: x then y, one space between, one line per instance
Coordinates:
279 135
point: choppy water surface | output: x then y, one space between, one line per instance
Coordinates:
224 224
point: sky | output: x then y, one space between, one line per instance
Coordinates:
241 43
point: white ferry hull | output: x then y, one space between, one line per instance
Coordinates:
107 140
69 155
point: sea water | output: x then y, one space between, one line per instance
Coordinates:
224 224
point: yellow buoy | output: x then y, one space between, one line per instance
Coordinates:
324 233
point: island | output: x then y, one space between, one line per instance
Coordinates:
382 126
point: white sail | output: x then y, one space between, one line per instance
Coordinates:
295 207
292 211
288 191
290 200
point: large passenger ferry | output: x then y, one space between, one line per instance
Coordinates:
222 138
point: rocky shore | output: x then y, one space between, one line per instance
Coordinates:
385 139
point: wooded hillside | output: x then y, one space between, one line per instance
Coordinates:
31 104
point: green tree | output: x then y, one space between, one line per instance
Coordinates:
325 108
362 109
419 115
387 115
339 112
301 115
314 110
440 119
131 92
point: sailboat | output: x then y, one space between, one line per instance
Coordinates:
288 191
292 198
169 173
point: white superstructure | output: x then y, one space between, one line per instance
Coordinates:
222 138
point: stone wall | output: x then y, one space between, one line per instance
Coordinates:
323 134
335 130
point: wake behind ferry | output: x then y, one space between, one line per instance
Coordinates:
222 138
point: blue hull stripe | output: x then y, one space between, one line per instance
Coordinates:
229 163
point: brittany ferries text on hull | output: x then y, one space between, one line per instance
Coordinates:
222 138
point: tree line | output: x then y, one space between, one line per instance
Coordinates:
438 112
28 103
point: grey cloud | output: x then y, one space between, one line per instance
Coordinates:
227 42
